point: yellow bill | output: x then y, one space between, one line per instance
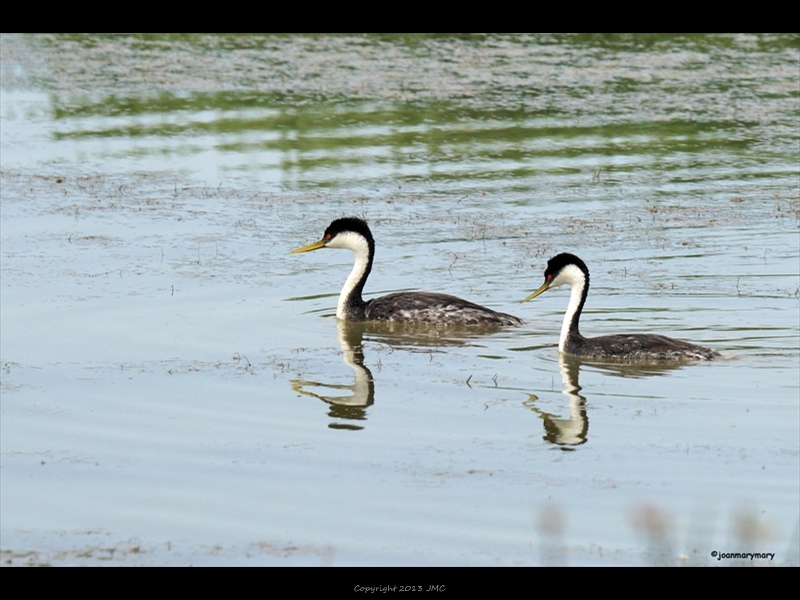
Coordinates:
310 247
544 288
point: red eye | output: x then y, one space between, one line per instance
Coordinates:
327 236
548 277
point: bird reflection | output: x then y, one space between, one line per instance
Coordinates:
352 406
574 430
348 403
637 369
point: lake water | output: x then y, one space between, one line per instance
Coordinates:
176 388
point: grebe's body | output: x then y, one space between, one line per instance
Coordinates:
403 307
571 270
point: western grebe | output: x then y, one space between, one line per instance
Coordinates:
404 307
569 269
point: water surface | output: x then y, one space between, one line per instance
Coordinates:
176 389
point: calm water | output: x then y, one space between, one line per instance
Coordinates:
176 390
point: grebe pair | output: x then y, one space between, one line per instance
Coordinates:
425 307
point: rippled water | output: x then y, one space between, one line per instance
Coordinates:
175 388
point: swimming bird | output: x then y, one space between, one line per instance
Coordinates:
569 269
404 307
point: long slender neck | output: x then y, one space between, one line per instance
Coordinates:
351 306
579 282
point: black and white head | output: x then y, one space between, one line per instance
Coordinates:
348 232
563 269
